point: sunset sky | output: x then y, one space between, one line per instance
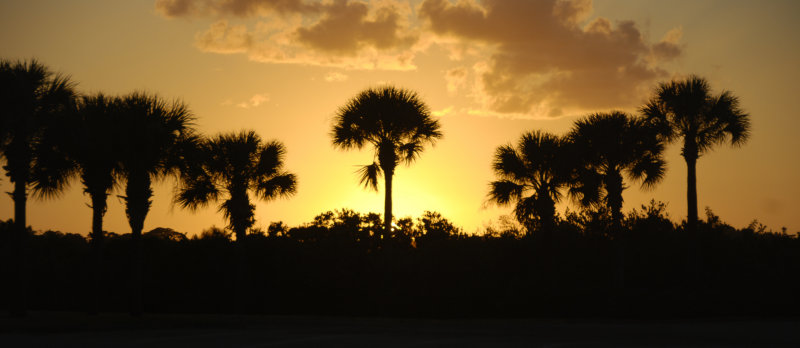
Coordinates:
490 70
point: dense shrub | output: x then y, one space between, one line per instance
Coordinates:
342 263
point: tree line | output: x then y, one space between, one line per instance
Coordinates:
341 263
49 134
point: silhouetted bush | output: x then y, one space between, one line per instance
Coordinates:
341 263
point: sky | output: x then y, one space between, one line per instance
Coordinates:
489 70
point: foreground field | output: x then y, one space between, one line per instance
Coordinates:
61 329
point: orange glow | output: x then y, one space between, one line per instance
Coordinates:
260 73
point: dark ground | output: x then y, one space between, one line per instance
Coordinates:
60 329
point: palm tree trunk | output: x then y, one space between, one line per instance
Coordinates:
691 193
18 301
20 201
545 207
138 193
694 253
98 211
614 190
241 218
387 207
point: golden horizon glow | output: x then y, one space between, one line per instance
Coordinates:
284 75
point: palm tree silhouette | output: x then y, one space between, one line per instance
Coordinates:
234 164
606 146
91 140
153 129
94 147
32 98
396 122
687 109
531 176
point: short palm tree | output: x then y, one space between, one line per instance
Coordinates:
606 146
687 110
531 176
232 165
152 132
396 123
32 98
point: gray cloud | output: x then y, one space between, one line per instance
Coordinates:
239 8
342 33
534 58
346 27
544 60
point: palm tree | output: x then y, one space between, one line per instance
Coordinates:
153 130
687 109
531 176
32 97
92 144
396 123
235 164
608 145
95 151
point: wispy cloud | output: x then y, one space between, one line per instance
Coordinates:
254 101
335 76
444 112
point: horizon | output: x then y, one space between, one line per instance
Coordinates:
284 72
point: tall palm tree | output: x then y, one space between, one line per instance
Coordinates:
95 149
91 142
153 129
687 110
31 98
396 123
232 165
532 176
608 145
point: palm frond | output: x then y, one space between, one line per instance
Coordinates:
368 176
270 159
736 122
195 192
503 192
280 185
508 164
525 210
585 187
410 151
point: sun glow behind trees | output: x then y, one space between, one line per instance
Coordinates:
142 50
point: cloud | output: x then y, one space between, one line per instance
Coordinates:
254 101
444 112
341 33
546 58
540 58
347 26
175 8
669 47
224 38
238 8
456 79
334 76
